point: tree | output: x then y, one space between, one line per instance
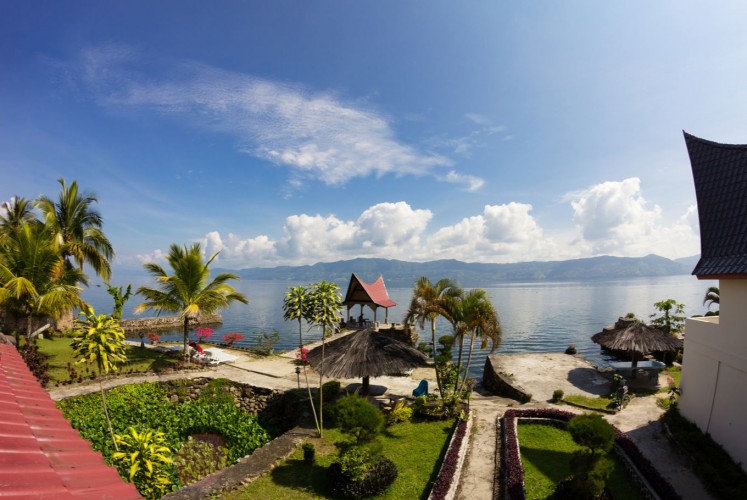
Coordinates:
297 306
17 213
480 321
34 279
101 341
120 298
76 226
672 319
712 296
325 307
425 305
188 290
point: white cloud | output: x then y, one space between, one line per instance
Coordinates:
614 218
471 182
317 134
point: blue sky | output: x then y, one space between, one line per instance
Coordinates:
297 132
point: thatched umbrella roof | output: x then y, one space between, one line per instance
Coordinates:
365 354
637 338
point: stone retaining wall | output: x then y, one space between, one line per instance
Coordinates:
136 325
501 384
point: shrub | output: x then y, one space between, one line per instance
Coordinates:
448 468
309 453
230 338
197 459
36 361
359 418
264 343
153 337
330 390
557 395
204 334
375 479
144 460
399 413
592 431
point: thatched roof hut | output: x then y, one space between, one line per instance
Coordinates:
365 354
637 338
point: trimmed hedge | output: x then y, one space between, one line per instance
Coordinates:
514 470
448 468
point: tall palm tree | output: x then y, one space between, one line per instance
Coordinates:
426 305
100 340
325 310
712 296
15 213
480 321
188 290
34 279
77 227
297 306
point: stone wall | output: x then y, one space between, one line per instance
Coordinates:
11 323
135 325
501 384
400 332
274 408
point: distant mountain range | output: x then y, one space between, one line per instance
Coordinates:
399 273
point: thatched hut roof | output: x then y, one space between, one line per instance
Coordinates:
365 354
637 337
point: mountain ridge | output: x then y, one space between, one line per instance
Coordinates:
403 273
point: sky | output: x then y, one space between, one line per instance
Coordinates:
296 132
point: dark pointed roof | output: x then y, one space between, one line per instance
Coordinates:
372 294
720 175
41 455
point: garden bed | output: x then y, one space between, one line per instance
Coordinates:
513 477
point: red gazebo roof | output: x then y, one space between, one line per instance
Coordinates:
41 455
372 294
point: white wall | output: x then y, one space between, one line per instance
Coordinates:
714 371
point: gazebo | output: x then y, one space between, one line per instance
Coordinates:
373 295
365 354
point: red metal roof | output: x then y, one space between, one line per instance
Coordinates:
360 292
41 455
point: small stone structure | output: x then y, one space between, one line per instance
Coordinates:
403 333
502 384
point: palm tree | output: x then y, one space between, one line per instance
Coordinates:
17 213
425 305
77 228
480 321
712 296
297 306
325 311
34 279
187 290
100 340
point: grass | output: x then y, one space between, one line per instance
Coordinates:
416 448
598 403
61 356
546 453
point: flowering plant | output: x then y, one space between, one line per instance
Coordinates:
230 338
301 354
153 337
204 334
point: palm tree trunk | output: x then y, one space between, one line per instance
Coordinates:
435 356
306 376
106 411
459 362
186 338
321 374
469 360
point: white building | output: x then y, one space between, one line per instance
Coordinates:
714 367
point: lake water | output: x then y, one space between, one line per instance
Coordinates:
535 317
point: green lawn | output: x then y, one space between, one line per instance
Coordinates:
416 448
61 356
598 403
546 452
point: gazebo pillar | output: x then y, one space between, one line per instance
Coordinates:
364 386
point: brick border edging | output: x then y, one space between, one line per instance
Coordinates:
247 469
460 442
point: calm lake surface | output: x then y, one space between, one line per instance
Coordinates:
536 317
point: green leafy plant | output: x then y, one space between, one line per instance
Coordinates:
309 453
196 459
331 390
557 395
399 413
358 418
264 343
145 461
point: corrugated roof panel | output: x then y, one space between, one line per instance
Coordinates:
41 455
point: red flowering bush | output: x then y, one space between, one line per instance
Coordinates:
230 338
203 334
301 354
153 337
